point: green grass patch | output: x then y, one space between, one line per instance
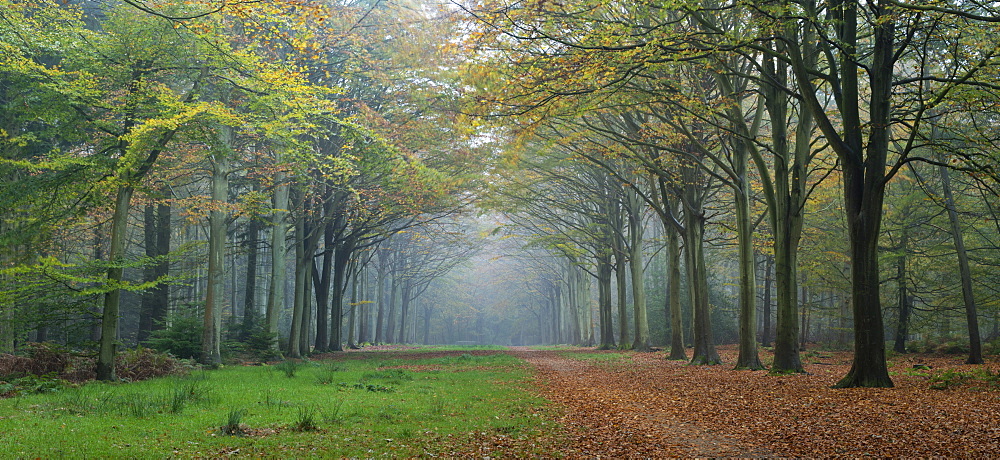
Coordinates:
378 405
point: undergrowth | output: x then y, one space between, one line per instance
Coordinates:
45 367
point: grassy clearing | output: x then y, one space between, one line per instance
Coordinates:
416 405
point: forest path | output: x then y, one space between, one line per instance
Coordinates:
616 409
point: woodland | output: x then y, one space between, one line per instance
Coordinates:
264 181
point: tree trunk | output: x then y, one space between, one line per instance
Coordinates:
766 328
148 273
321 280
364 314
250 314
341 265
869 367
863 166
583 300
748 357
674 318
903 297
95 320
307 306
112 298
391 320
604 303
621 287
694 226
211 354
303 266
968 297
805 316
380 298
148 298
404 309
279 257
789 191
352 312
641 342
428 311
556 305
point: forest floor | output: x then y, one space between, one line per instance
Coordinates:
640 405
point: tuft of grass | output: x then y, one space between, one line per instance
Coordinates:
234 423
136 405
306 420
328 373
288 367
335 415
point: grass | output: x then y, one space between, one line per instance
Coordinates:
348 407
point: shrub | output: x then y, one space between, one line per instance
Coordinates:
978 378
182 338
253 344
45 364
31 384
36 359
145 363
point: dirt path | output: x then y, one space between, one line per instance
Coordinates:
615 410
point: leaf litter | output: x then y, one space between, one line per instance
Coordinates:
646 406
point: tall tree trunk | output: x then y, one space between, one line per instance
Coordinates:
307 307
903 296
694 230
341 266
279 256
391 320
604 303
148 273
365 314
112 298
380 319
352 312
322 280
583 334
211 354
748 357
303 264
805 316
766 328
404 309
95 321
555 320
428 311
788 195
621 288
641 342
863 167
674 317
968 297
250 313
